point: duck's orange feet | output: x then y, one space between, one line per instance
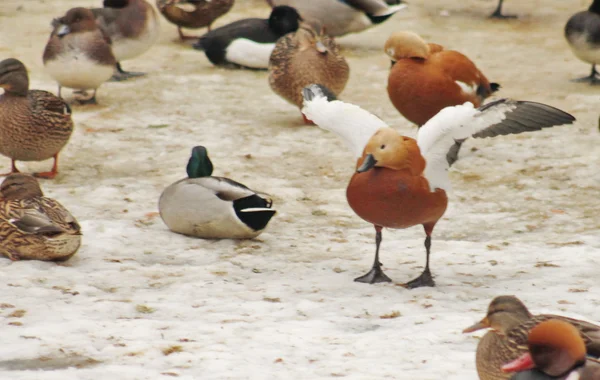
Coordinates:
46 175
374 276
307 121
424 279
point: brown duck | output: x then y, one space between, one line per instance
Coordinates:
205 12
511 321
34 125
306 57
33 227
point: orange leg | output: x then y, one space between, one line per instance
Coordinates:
183 37
13 169
51 174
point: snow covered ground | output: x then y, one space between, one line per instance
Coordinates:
139 302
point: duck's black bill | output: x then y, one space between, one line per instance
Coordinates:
368 163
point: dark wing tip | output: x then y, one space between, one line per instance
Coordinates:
314 91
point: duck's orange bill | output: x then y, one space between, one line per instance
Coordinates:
522 363
483 324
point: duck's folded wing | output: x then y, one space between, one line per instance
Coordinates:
375 7
224 188
502 117
35 222
353 124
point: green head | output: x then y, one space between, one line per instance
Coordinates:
199 164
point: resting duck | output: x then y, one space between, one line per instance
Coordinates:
78 54
204 13
401 182
425 78
34 125
33 227
583 35
133 27
341 17
305 57
510 321
555 351
248 43
213 207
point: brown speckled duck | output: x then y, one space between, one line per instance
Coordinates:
78 54
34 125
203 14
33 227
511 321
306 57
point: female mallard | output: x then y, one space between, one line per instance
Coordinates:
34 125
212 207
511 322
33 227
205 12
307 57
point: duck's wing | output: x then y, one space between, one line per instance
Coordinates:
353 124
34 221
224 188
375 7
502 117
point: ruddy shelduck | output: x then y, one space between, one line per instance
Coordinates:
425 78
556 350
402 182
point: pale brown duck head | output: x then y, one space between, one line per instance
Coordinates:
555 348
19 186
504 313
76 20
311 34
13 77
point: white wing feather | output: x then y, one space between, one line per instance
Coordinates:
353 124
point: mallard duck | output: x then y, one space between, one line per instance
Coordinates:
204 13
306 57
34 124
340 17
401 182
132 25
213 207
583 35
248 43
511 321
34 227
78 54
555 350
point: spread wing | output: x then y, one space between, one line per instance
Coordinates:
350 122
502 117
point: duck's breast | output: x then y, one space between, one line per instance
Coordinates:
583 34
395 198
140 36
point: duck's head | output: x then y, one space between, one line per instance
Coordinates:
199 165
504 313
387 149
284 20
13 77
311 35
20 186
76 20
402 45
555 348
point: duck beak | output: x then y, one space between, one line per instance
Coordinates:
522 363
368 163
483 324
321 48
63 30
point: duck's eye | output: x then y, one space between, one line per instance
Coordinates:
382 147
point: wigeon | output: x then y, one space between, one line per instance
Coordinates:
305 57
583 35
341 17
78 54
202 14
509 321
34 125
248 43
425 78
556 350
213 207
401 182
132 25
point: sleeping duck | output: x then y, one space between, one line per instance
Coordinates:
212 207
248 43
